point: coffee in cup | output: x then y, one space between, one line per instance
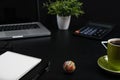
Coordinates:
113 52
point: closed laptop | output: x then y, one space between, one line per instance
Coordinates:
15 66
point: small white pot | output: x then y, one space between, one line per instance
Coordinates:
63 22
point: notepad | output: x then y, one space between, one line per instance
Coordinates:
13 65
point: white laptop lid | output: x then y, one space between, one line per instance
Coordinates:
13 66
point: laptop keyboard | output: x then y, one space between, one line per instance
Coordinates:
18 27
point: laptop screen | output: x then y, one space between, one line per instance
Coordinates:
18 11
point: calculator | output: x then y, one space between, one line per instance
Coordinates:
94 30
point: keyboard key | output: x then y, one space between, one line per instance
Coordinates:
18 27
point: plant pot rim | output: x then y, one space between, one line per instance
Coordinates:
63 16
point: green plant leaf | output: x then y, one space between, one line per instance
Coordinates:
64 7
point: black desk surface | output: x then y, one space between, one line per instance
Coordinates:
62 46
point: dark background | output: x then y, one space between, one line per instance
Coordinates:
105 11
18 11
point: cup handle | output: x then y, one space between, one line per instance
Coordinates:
103 43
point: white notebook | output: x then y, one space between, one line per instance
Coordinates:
13 66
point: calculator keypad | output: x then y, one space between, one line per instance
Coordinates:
93 31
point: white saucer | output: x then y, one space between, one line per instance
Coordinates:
103 63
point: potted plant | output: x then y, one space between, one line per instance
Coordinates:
64 9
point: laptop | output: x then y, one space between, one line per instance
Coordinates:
21 19
15 66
